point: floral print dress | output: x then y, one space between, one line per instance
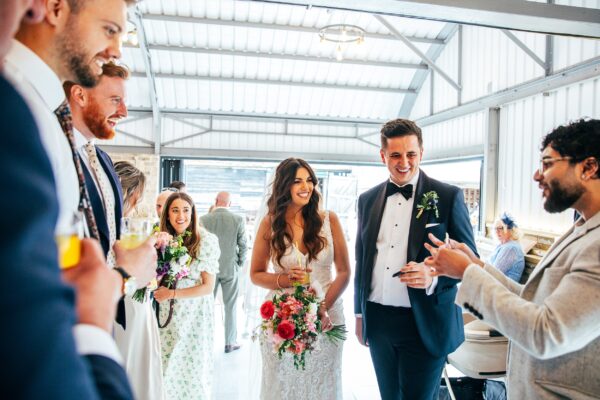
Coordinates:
187 342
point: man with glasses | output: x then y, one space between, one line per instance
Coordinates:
553 321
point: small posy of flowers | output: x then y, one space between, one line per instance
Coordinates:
291 324
173 264
429 202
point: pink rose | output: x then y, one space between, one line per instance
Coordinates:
286 329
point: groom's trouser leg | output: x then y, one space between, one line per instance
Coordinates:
404 368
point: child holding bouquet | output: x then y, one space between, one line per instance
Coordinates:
187 338
299 239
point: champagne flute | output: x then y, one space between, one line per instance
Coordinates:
302 264
68 241
134 231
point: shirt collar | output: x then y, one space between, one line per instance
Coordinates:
80 140
33 69
413 181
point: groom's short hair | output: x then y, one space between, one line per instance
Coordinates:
400 127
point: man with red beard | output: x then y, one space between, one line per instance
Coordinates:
96 111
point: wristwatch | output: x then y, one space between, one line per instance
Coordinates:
129 282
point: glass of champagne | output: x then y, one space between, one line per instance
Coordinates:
302 264
68 242
134 231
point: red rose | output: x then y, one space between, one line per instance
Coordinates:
286 330
267 309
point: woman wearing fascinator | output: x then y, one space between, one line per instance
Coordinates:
508 256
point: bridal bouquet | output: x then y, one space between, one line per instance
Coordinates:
173 264
291 323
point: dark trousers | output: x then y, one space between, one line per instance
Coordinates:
405 370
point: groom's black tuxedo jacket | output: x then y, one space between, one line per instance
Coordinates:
438 319
37 308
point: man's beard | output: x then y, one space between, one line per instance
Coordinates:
561 197
72 54
96 122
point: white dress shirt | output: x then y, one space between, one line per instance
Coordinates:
392 248
42 90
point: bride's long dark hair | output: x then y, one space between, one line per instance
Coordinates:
278 203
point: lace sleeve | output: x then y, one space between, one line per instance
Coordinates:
210 252
507 258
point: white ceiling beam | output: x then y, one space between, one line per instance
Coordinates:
419 78
156 120
418 52
292 57
525 48
136 137
278 27
277 82
298 119
231 154
586 70
517 15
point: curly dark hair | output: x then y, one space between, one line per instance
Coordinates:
278 204
400 127
579 140
191 242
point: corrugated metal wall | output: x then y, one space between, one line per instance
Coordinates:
459 137
522 126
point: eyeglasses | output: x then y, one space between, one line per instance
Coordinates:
499 228
547 162
170 189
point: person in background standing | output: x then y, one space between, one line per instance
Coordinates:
231 231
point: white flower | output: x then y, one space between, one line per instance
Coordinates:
313 308
183 259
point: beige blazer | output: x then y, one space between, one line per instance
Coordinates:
553 321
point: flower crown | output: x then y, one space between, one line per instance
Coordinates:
508 220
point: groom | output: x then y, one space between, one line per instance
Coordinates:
407 318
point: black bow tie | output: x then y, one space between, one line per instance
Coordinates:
392 188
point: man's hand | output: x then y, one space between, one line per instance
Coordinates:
416 276
359 332
453 244
139 262
98 288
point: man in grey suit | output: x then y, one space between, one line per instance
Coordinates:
553 321
230 229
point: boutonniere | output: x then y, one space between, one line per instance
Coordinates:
428 202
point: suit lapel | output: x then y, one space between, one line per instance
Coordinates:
96 201
373 224
416 233
116 187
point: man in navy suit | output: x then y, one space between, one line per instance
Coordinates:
407 318
96 112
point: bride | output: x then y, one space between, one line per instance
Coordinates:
294 230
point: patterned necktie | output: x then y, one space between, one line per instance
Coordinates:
63 113
109 203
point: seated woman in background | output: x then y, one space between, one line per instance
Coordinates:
508 257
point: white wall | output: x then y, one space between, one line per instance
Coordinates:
522 126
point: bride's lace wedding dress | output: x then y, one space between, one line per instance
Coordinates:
322 378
